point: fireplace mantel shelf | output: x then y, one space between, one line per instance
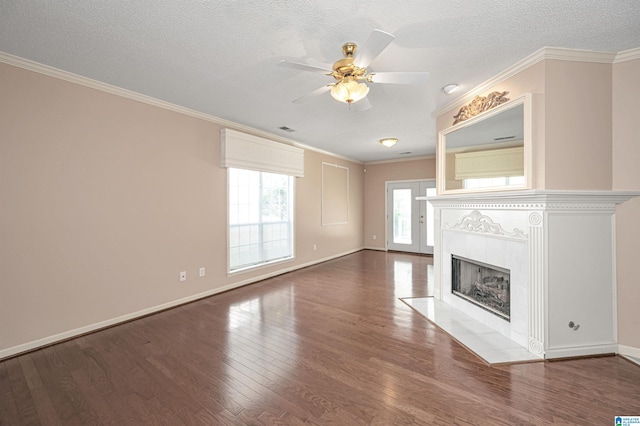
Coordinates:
536 196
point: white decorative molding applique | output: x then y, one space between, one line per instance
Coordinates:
477 222
535 219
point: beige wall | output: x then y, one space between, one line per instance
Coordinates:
104 200
577 125
374 196
626 176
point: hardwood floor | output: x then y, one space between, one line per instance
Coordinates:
329 344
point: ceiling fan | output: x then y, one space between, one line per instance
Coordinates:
351 72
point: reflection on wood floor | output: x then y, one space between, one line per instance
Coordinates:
328 344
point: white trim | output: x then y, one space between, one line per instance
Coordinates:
262 265
627 55
322 201
535 198
39 343
580 351
526 100
628 351
614 277
129 94
400 160
375 248
535 57
579 55
411 180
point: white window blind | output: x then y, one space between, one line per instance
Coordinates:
490 163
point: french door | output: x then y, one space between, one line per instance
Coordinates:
409 221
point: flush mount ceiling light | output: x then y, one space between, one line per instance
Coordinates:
450 88
389 142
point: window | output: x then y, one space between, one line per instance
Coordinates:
260 218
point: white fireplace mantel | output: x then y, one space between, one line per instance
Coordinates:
560 248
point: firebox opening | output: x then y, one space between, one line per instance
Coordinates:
486 286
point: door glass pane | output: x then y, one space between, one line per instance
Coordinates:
431 192
402 216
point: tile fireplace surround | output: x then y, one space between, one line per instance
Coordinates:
560 249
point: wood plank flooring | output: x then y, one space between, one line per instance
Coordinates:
329 344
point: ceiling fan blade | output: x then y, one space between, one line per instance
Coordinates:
313 94
303 67
399 77
375 44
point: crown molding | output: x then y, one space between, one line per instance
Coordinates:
556 53
627 55
400 160
578 55
129 94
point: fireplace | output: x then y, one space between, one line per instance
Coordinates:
558 247
484 285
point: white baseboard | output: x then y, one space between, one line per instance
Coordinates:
631 359
376 248
49 340
630 353
581 351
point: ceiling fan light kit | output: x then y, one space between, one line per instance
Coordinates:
389 142
349 91
349 70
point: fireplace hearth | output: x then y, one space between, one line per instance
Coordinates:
486 286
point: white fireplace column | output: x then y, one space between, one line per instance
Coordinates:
560 248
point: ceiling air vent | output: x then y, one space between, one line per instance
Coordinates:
286 129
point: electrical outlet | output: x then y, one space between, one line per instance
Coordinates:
314 247
374 237
202 271
183 276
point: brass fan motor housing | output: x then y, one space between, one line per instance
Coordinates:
344 68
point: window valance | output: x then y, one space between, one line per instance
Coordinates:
245 151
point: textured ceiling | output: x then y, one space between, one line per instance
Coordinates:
220 57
